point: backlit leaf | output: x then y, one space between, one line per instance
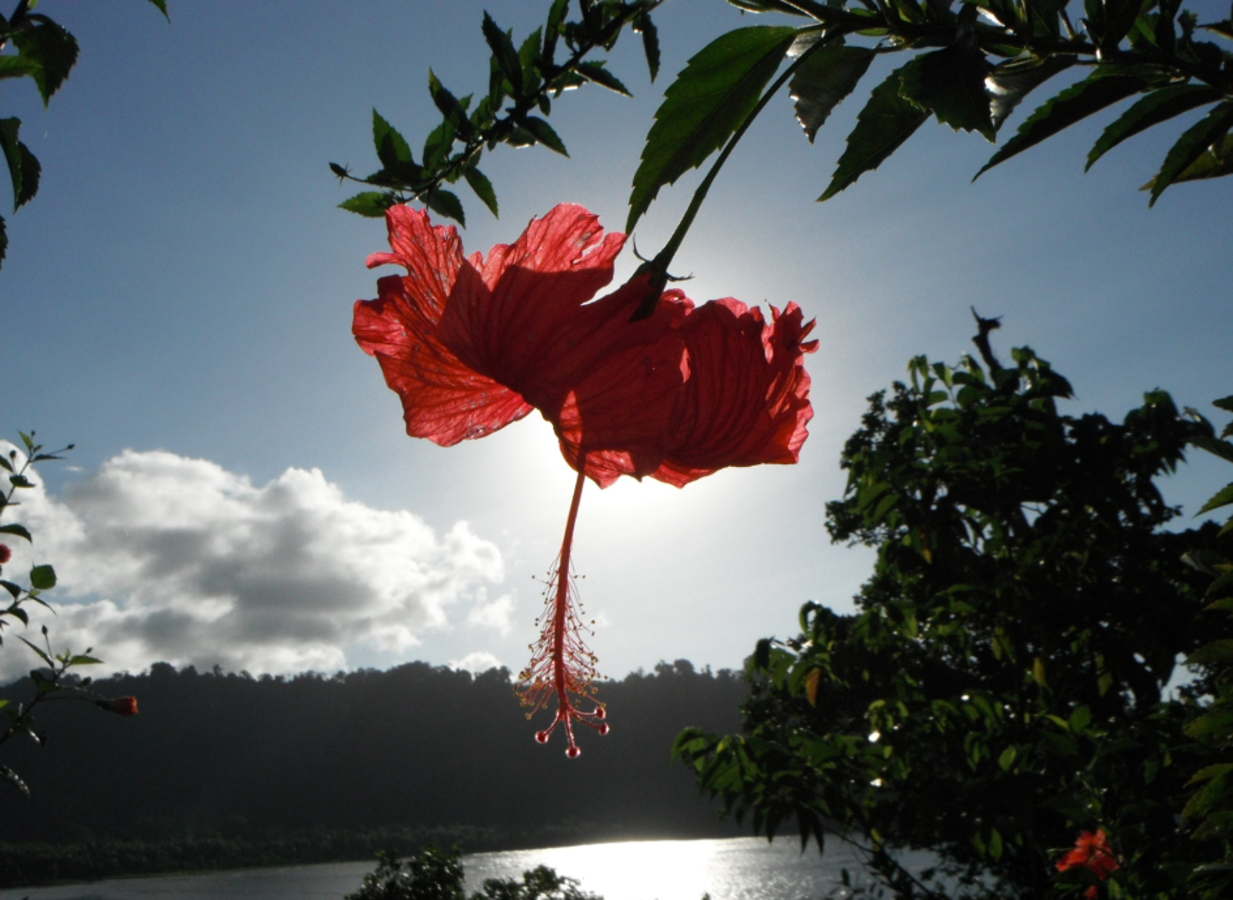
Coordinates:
1191 146
1013 80
544 134
951 83
503 52
597 73
42 578
51 50
392 148
445 203
483 188
1215 162
24 169
709 100
1153 109
887 120
369 203
650 43
1094 93
824 79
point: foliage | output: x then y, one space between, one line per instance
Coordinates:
521 81
45 53
50 682
438 875
1210 807
999 688
969 65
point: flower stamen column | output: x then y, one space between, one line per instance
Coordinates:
561 663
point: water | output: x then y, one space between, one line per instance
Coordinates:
732 869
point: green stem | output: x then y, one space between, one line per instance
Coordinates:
659 265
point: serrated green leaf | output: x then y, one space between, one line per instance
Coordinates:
544 134
1193 143
392 148
823 81
449 106
24 169
17 67
711 97
43 578
1077 102
650 43
483 188
446 204
1158 106
20 530
887 120
372 204
52 51
597 73
951 84
438 144
1215 162
503 52
1223 497
1011 81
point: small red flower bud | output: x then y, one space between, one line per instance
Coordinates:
5 554
124 706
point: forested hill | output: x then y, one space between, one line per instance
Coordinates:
214 755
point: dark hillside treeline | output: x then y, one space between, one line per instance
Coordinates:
214 756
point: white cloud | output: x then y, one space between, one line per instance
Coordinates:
495 615
179 560
476 663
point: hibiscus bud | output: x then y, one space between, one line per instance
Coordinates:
5 554
124 706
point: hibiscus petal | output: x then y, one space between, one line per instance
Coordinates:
516 318
443 399
746 401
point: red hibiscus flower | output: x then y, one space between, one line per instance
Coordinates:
1092 851
124 706
471 345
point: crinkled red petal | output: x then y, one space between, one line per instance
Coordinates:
443 399
746 401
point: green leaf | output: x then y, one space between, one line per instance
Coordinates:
1156 107
544 134
51 50
42 578
1223 497
438 144
84 660
24 169
882 126
1220 651
824 80
369 203
1011 81
483 188
449 106
1191 146
17 67
709 100
20 530
951 83
597 73
503 52
650 42
14 589
42 655
4 239
447 204
1215 162
162 5
392 148
1094 93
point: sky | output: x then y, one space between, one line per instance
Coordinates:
177 302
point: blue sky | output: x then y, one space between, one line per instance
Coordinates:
177 301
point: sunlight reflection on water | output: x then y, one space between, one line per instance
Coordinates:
731 869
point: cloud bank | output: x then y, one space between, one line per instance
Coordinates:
179 560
